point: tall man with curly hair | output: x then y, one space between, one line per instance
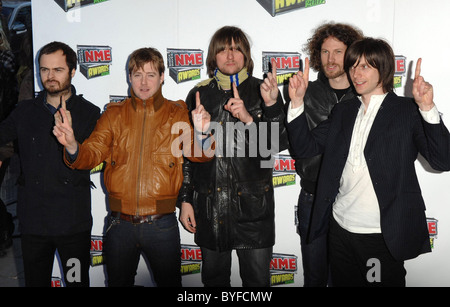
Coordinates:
326 49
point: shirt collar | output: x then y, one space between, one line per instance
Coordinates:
375 100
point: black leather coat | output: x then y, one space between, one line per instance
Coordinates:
233 195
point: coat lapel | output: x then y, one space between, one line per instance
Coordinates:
384 116
349 117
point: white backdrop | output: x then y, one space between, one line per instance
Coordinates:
413 27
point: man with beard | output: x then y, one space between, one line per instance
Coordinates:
54 201
326 48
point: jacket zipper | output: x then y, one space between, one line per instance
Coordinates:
138 185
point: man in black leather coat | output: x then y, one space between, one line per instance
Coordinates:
229 202
326 48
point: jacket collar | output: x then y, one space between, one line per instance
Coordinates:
385 115
157 100
323 78
42 97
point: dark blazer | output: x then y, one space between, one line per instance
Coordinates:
398 135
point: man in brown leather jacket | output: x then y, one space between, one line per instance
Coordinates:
141 139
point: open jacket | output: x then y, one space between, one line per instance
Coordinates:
398 135
140 142
232 195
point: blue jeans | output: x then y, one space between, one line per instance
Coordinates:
158 241
314 254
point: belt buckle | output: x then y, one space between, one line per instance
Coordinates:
140 219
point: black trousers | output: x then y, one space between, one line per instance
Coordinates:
362 260
39 253
254 267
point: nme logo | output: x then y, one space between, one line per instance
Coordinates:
191 259
288 63
186 59
284 263
432 227
400 65
191 253
97 56
96 250
400 70
283 171
284 164
184 64
282 269
94 61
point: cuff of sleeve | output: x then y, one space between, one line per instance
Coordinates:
294 113
432 116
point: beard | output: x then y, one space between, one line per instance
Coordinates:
54 87
333 74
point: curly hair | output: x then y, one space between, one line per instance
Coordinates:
343 32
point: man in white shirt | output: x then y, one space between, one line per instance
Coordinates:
368 197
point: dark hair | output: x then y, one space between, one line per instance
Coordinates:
223 38
142 56
378 54
347 34
71 56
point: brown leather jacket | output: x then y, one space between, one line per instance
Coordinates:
135 139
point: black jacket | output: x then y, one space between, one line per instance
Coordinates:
397 135
319 100
52 199
233 195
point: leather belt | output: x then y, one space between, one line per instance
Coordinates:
137 219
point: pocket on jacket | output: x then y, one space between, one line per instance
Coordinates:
254 201
202 205
167 175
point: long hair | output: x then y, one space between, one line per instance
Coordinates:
222 39
345 33
378 54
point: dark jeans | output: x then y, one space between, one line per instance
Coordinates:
39 252
314 254
159 241
352 259
254 267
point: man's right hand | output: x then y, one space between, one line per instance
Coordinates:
187 217
63 129
298 84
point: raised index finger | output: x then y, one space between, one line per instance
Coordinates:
235 91
63 102
274 67
418 68
197 100
306 70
